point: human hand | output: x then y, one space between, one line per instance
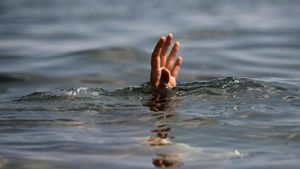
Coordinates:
163 70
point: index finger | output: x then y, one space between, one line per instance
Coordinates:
155 58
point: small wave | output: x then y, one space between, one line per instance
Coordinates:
242 88
16 77
228 85
113 54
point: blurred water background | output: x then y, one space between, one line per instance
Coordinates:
73 91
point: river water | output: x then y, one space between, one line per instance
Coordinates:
74 91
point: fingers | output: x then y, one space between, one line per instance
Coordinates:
176 68
162 66
155 62
165 49
172 56
155 59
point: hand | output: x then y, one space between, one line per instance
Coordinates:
163 70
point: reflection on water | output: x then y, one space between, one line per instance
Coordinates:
199 124
167 160
162 105
69 70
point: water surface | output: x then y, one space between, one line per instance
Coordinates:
74 91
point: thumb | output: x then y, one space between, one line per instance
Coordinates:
164 78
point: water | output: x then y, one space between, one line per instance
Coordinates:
74 91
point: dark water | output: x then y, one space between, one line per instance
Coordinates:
73 91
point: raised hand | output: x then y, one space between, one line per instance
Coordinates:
163 70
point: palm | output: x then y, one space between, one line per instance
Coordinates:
163 70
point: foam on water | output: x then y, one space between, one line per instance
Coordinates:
214 121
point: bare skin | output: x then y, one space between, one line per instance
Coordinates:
165 65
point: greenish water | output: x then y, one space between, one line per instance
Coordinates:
74 92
